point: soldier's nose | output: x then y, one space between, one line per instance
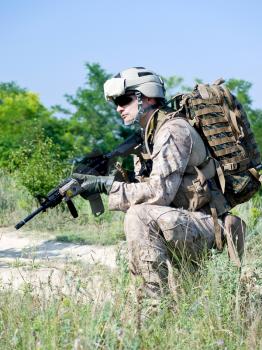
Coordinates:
119 109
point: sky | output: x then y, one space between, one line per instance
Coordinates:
45 44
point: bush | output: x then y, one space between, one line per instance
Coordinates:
16 203
38 166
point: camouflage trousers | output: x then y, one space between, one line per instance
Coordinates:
159 236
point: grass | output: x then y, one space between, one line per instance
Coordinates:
16 204
219 307
104 230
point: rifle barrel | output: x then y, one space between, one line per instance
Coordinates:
29 217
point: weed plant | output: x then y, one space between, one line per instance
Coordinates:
16 203
218 306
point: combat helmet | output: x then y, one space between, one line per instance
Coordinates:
139 80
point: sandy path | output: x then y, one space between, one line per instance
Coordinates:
26 258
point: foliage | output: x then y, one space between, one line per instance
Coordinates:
38 166
241 88
15 200
20 116
255 117
56 129
106 229
93 307
218 307
22 119
95 123
174 85
92 123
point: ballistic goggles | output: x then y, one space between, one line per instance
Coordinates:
124 100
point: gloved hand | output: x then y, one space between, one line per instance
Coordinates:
86 184
94 184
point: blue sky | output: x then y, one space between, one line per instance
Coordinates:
45 44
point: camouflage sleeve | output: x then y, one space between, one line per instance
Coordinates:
171 152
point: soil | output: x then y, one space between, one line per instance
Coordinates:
29 259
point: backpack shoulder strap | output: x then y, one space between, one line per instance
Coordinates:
156 121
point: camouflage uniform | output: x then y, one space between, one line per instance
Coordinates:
157 232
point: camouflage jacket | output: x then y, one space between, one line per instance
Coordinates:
176 148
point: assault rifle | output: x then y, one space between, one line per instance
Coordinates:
92 164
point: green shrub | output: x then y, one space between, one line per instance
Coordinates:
16 203
38 166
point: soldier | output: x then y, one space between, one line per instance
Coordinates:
168 207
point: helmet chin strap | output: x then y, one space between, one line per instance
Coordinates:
141 110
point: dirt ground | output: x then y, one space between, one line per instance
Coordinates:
27 259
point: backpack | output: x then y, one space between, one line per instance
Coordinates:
223 125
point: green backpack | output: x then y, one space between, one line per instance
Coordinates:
223 125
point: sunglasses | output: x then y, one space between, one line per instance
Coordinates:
123 100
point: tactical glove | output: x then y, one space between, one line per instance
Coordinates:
86 185
92 184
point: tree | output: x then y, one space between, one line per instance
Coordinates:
95 123
20 117
23 118
38 165
174 85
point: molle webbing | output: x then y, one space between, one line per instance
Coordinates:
223 124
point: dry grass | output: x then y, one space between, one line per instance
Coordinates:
218 306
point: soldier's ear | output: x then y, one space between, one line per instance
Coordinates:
151 101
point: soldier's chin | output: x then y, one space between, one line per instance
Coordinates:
128 122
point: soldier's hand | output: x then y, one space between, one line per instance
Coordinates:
91 184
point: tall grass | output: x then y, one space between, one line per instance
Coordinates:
15 200
218 306
16 203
